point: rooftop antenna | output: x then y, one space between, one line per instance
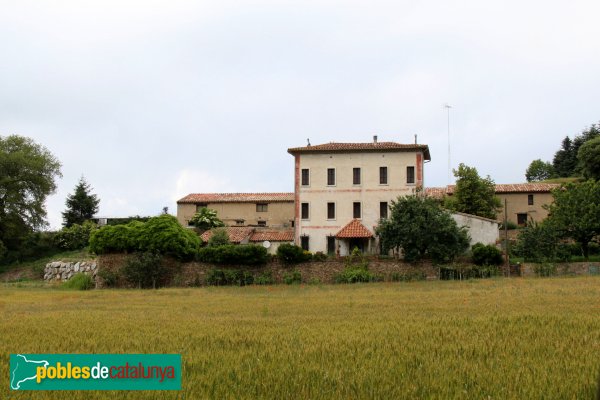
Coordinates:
308 141
448 107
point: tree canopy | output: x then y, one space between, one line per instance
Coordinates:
206 219
575 212
420 227
81 205
27 177
473 194
565 160
589 159
539 170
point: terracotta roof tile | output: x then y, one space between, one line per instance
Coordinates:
273 236
439 192
237 198
357 147
354 229
236 234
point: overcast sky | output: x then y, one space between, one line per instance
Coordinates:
152 100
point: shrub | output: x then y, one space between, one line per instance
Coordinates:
109 278
222 277
544 269
293 277
247 254
509 225
291 254
74 237
79 281
266 278
538 242
408 276
319 256
356 274
114 239
219 237
145 270
486 254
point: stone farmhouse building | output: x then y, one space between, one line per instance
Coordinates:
341 191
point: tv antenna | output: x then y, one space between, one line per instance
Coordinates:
448 107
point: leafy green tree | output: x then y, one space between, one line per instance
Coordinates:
538 242
589 159
473 194
206 219
81 205
420 227
575 212
539 170
27 174
219 237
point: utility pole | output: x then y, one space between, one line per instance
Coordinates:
448 107
506 238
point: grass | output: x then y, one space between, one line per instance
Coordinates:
480 339
34 269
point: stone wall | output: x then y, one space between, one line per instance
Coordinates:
63 271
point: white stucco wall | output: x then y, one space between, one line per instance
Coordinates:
481 230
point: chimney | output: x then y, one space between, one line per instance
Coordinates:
416 139
374 138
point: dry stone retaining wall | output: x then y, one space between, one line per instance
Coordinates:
63 271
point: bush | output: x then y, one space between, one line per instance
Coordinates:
145 270
247 254
538 242
486 254
408 276
79 281
509 225
75 237
219 237
291 254
544 269
222 277
162 235
293 277
109 278
319 256
355 275
266 278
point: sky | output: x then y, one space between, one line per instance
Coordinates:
152 100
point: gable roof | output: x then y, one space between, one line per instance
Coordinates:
354 229
237 198
361 147
502 188
236 234
273 236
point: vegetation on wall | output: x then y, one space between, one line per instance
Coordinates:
247 254
75 237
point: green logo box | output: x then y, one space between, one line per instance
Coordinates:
95 372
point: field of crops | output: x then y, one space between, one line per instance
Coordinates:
483 339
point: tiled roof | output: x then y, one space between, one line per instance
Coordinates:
439 192
237 197
273 236
236 234
358 147
354 229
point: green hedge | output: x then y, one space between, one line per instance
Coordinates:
232 254
292 254
222 277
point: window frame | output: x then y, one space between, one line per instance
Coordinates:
530 201
354 204
354 176
382 207
386 175
307 170
302 217
330 218
412 181
259 207
304 238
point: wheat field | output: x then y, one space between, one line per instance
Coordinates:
479 339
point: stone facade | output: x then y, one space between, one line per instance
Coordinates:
63 271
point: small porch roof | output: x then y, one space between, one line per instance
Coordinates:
354 229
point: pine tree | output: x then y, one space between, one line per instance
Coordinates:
81 205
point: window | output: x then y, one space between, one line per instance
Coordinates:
330 244
304 242
262 207
330 210
305 177
262 223
304 211
239 222
383 176
330 176
200 206
383 209
356 209
530 199
356 176
522 219
410 174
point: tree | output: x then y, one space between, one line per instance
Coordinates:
420 227
81 205
575 212
206 219
539 170
219 237
27 174
473 194
565 159
589 159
